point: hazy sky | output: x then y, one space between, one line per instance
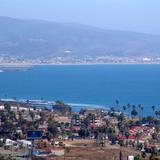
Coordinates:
134 15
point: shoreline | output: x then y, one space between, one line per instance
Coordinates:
76 107
18 65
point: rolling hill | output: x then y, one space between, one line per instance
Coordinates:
38 38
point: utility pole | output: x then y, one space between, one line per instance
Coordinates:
120 156
32 149
12 150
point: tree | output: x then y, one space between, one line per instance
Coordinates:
91 117
150 119
153 108
134 113
8 129
157 113
128 107
20 117
62 108
7 107
137 157
75 119
113 109
83 132
52 128
124 108
127 134
102 129
82 111
144 155
142 110
153 156
121 117
140 107
42 117
117 102
32 114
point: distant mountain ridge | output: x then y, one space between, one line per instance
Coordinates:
38 38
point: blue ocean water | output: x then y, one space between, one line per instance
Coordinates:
86 84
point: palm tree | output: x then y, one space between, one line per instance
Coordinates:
142 110
133 107
134 112
128 107
139 107
112 109
117 103
153 108
156 113
124 108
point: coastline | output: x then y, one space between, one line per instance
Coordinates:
14 67
19 65
76 107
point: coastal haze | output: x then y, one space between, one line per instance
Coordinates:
50 42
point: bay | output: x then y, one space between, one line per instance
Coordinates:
86 85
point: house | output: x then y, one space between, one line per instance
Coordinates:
25 143
76 120
96 112
76 129
10 143
62 119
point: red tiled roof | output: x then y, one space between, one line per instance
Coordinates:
124 137
76 128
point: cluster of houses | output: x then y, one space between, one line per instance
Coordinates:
91 123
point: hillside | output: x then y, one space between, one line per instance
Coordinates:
32 38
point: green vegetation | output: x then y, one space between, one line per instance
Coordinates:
112 126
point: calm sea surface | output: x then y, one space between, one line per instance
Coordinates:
86 84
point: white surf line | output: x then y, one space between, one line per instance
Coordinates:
87 105
46 102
